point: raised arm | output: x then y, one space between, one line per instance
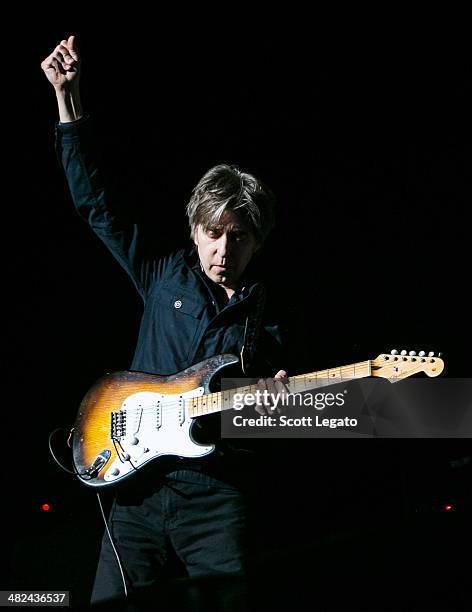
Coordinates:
77 151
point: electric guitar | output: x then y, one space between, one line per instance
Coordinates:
127 419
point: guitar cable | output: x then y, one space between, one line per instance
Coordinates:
76 472
112 544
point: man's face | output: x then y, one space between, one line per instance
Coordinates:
226 250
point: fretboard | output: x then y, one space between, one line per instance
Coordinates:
223 400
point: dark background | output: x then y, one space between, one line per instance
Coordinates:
366 143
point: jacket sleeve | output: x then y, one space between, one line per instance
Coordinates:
77 154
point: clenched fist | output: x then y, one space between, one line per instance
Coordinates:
62 67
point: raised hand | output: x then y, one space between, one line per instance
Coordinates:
62 66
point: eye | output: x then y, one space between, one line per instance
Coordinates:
213 232
240 235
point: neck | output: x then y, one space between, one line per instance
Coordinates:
224 400
223 294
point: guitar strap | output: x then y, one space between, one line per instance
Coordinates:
252 331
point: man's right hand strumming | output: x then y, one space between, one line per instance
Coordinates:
62 69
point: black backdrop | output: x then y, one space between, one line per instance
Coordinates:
367 146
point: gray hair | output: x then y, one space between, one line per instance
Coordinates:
225 187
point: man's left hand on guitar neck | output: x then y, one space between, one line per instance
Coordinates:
273 386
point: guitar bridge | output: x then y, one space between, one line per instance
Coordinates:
118 425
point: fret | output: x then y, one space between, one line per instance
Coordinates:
322 378
222 400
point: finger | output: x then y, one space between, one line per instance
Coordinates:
262 386
47 63
57 55
269 385
270 392
280 386
260 409
56 64
282 393
67 58
64 49
270 395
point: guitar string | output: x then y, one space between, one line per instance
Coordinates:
300 378
170 406
307 378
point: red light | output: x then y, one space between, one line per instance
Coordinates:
45 507
448 508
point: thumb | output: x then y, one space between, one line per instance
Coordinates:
71 44
281 374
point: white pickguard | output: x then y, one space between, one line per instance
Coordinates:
154 424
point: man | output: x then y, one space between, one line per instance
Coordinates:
198 303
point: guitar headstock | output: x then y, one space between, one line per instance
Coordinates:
396 366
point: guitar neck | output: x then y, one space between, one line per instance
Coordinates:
223 400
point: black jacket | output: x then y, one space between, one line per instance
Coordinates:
181 324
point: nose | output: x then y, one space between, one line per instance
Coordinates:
222 245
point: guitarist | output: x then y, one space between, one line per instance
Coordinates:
198 303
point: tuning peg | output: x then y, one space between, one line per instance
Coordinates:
439 354
412 353
403 352
394 352
421 354
431 354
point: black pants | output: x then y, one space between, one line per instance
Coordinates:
201 520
